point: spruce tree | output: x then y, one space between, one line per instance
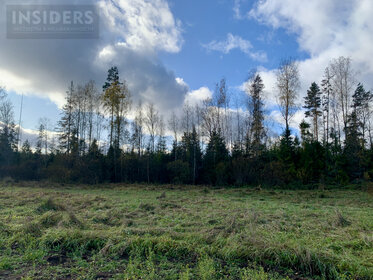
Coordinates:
191 153
313 107
361 101
66 123
257 128
215 159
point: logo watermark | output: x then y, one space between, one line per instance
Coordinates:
52 22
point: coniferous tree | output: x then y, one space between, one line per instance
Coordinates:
66 123
313 107
304 131
26 148
256 105
361 101
40 140
353 148
215 159
191 153
355 142
110 98
327 91
8 135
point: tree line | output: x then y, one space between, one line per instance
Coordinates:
103 137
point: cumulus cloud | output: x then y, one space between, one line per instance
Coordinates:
325 30
196 97
143 25
236 42
132 33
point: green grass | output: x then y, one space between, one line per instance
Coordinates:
181 232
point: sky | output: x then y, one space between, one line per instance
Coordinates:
171 52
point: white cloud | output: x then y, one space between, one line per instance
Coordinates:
132 33
196 97
143 25
269 81
181 82
325 29
235 42
237 9
25 86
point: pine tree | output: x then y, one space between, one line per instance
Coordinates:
40 141
361 100
191 152
26 147
256 105
116 100
304 131
66 124
112 78
313 107
327 90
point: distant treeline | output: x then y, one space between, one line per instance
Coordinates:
212 143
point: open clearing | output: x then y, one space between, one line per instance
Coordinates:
49 231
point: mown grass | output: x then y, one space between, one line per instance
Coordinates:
181 232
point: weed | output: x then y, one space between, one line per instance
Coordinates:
133 232
341 220
49 205
147 207
162 196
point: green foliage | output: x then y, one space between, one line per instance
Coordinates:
206 268
128 232
48 205
215 160
178 171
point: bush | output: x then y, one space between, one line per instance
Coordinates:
179 172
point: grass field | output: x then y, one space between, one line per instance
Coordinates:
49 231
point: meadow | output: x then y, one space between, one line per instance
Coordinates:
53 231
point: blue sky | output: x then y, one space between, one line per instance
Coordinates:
157 44
212 21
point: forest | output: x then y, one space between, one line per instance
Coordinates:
103 136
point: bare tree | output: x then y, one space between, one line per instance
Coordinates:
288 85
6 113
343 80
209 115
198 121
2 93
187 121
370 124
99 116
91 95
151 121
222 104
327 91
45 123
173 125
7 126
161 145
138 130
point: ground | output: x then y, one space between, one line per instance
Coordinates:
52 231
